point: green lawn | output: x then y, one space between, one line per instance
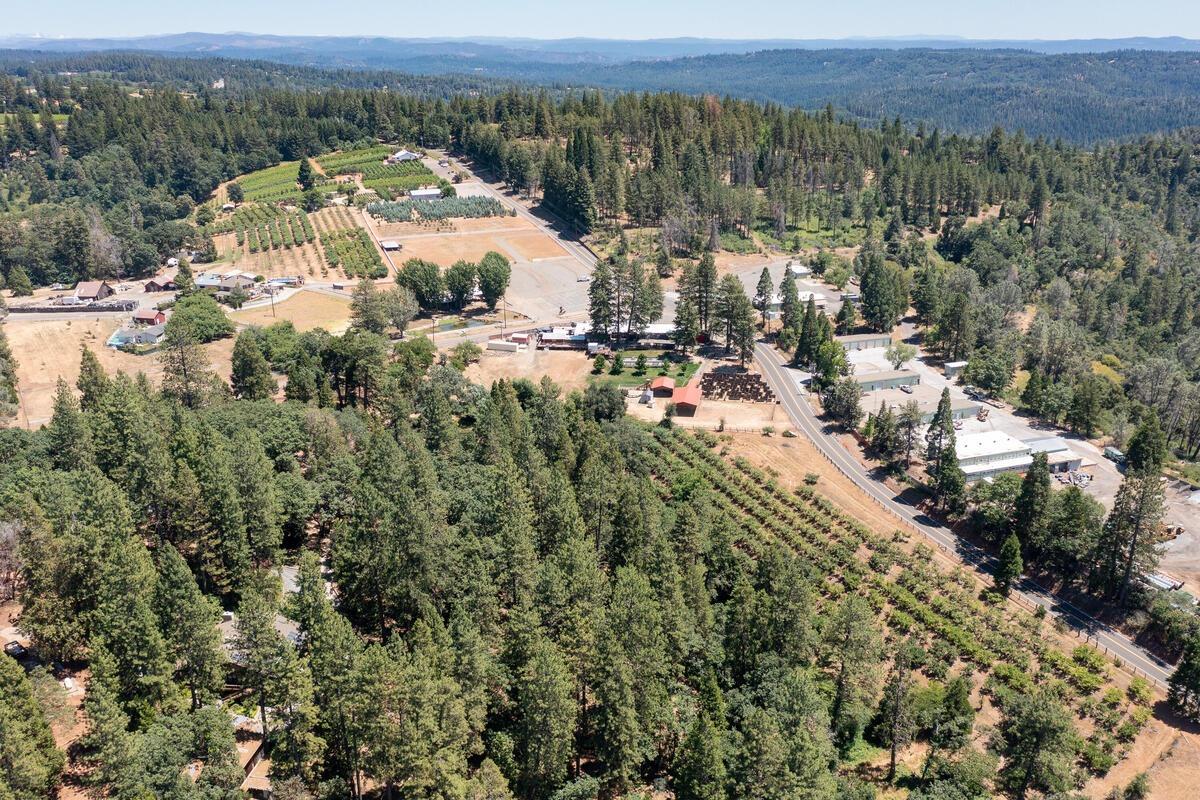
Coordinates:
681 372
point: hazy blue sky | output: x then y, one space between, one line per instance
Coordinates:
629 19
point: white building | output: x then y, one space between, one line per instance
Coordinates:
984 455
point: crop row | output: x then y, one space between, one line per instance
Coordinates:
344 163
920 596
353 252
286 232
444 208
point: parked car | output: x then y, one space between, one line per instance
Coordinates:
906 389
15 650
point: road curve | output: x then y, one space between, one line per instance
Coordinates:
1115 643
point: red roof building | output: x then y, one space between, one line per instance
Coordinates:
662 385
686 399
149 316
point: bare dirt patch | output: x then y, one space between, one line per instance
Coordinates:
304 309
47 350
566 368
445 249
534 245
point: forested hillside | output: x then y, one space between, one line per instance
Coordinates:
1084 98
504 593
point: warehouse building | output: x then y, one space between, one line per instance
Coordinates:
864 341
886 379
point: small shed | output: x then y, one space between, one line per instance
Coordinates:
662 386
390 244
93 290
686 399
149 316
952 369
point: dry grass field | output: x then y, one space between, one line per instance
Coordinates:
47 350
306 310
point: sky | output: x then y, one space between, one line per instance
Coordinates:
616 19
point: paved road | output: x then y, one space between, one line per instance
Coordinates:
801 414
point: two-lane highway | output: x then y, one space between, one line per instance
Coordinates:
790 396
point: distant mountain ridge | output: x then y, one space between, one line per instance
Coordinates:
376 50
1082 97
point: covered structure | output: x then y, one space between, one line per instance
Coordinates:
886 379
687 399
864 341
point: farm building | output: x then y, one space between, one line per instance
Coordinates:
662 386
390 244
952 369
886 379
864 341
400 156
428 193
686 399
163 282
90 291
149 316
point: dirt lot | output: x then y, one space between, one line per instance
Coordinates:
395 230
304 309
49 349
566 368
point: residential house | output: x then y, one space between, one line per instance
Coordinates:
93 291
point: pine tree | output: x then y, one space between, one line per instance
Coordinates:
250 377
853 652
1127 548
699 767
1038 742
31 763
188 621
898 723
764 293
1032 508
68 435
256 480
547 714
1184 684
93 381
108 746
187 375
18 282
1147 447
304 174
705 290
789 302
1010 566
601 311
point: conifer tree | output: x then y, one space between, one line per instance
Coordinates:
1009 569
68 434
250 377
93 382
